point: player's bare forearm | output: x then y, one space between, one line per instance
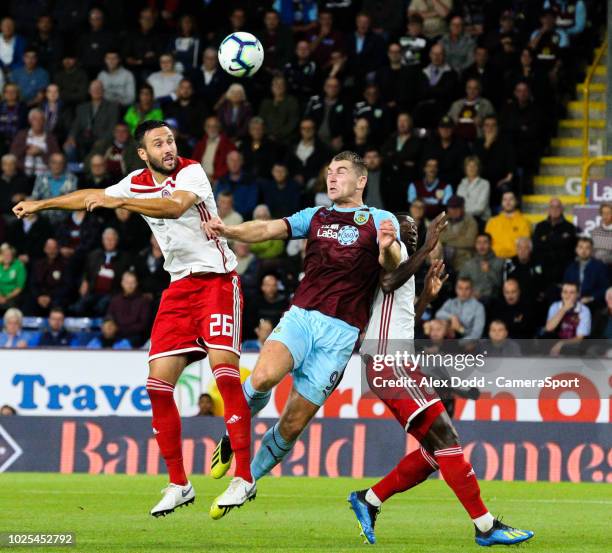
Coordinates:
393 280
157 208
71 202
256 231
389 258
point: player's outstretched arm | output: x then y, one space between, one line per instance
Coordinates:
434 280
395 279
390 253
71 202
251 231
158 208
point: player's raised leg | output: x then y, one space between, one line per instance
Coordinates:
163 374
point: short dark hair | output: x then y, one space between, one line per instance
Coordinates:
205 395
56 310
146 126
499 322
585 239
356 160
466 279
571 283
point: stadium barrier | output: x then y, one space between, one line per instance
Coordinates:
527 451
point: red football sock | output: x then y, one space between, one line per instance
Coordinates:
409 472
459 475
167 427
237 417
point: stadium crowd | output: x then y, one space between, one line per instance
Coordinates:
450 103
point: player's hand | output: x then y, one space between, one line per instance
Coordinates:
435 229
100 199
386 234
213 228
26 208
434 279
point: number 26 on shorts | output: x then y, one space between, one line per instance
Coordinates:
221 325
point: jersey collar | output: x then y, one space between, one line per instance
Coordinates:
347 209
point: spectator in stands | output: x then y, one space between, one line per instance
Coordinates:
242 185
307 156
589 274
277 41
72 80
468 113
143 46
602 236
12 335
393 81
131 310
234 112
119 83
402 151
515 311
187 110
47 42
449 150
262 331
102 276
49 281
13 115
437 85
360 140
8 411
325 39
281 113
268 249
186 46
205 405
379 190
270 303
414 44
57 181
458 45
475 190
258 151
527 270
55 335
31 79
434 192
486 74
434 14
460 235
13 46
484 270
92 45
78 235
213 150
144 109
602 320
329 113
301 73
150 272
225 209
282 193
34 145
375 111
527 71
497 157
28 236
499 345
507 227
210 81
320 188
248 268
132 229
12 277
548 41
119 157
569 320
94 120
554 241
165 81
366 49
57 117
109 338
14 186
465 314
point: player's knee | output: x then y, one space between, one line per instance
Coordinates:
263 379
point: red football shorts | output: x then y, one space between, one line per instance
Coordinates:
198 313
414 405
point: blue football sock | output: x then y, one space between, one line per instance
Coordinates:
256 400
273 450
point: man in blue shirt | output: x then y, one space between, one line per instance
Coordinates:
31 79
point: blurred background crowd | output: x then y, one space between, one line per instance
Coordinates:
450 102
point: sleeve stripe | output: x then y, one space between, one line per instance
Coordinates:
288 227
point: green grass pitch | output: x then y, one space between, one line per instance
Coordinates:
110 513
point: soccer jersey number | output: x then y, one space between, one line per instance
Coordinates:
221 325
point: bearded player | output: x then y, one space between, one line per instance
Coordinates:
348 246
200 312
419 409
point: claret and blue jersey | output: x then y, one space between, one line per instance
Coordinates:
332 302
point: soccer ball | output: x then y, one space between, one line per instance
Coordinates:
241 54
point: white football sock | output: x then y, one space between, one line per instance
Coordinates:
485 522
372 499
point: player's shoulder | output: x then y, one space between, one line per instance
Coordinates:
187 166
379 215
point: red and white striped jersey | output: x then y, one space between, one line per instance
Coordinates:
392 317
185 247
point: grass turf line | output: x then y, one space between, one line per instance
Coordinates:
110 513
